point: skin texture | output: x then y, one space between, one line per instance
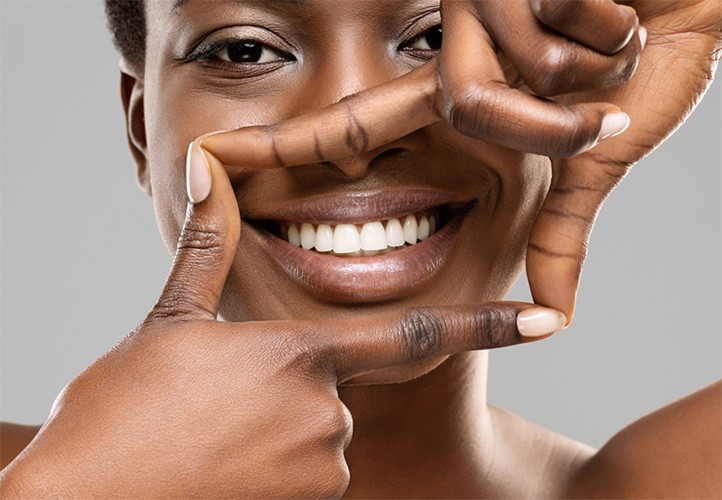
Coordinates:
240 397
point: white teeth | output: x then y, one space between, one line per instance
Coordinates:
410 229
373 236
294 238
423 228
324 238
346 239
394 233
308 236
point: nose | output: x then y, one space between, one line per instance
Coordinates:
351 68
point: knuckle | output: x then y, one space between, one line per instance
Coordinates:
549 70
339 480
335 425
467 106
557 12
201 236
420 333
332 480
301 353
496 326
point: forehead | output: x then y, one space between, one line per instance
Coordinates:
168 10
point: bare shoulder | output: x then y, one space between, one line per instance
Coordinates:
675 452
531 461
13 439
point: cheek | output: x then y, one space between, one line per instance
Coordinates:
521 182
176 115
524 188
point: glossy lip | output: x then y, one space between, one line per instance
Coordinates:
365 279
360 207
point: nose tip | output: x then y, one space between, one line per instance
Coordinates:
358 166
354 167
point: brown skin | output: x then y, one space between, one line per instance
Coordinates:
435 435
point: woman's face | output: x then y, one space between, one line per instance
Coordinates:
214 65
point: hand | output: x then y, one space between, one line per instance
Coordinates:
677 65
557 47
189 406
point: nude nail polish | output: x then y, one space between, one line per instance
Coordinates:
643 36
613 124
198 174
539 321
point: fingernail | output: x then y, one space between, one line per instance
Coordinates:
643 36
198 174
613 124
199 140
538 321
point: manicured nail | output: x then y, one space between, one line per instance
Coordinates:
613 124
198 174
643 36
538 321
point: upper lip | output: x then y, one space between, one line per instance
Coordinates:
359 207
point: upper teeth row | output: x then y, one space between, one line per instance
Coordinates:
374 236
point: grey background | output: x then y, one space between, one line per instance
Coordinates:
82 260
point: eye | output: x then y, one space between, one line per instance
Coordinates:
248 52
429 40
238 52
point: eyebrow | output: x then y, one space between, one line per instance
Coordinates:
180 3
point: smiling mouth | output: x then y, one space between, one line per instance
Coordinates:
367 239
362 247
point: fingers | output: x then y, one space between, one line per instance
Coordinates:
551 64
479 102
560 234
350 127
427 332
206 245
601 25
475 99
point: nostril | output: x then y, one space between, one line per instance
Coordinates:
391 153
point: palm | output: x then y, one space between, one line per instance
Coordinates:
676 68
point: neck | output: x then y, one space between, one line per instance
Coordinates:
429 436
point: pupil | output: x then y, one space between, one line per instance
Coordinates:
433 38
245 52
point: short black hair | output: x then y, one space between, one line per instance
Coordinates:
126 22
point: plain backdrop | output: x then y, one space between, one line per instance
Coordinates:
82 261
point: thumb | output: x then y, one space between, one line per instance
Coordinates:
207 243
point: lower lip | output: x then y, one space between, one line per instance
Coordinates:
364 279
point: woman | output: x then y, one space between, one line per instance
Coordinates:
288 435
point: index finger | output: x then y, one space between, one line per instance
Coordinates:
354 125
423 333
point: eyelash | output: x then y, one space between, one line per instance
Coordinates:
210 53
207 53
406 45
